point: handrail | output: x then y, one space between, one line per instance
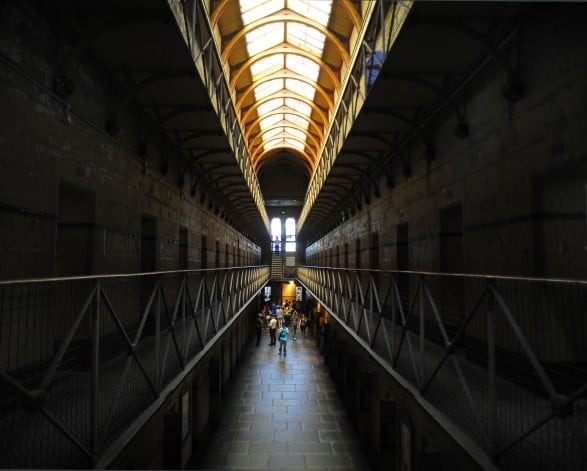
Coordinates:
382 21
87 360
122 275
498 361
485 276
210 67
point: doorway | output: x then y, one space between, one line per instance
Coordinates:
75 231
452 260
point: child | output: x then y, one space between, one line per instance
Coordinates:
283 332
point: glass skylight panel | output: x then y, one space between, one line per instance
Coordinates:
252 10
269 105
287 100
303 66
264 37
295 133
272 133
302 88
292 142
267 88
317 10
267 65
298 105
280 142
274 143
297 120
306 38
270 121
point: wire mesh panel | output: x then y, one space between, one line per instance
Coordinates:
503 358
82 358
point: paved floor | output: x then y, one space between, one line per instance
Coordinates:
283 413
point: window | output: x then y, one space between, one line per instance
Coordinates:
290 235
276 235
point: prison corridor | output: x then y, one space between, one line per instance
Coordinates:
282 412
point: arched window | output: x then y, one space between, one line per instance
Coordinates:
290 235
276 235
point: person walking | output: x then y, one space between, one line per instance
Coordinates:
272 328
303 325
295 322
287 315
279 314
283 333
259 328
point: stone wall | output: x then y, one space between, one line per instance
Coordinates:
508 199
73 199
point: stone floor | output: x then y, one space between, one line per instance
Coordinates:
283 413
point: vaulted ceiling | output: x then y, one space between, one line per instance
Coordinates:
250 92
285 61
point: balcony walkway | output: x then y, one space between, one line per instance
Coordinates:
283 413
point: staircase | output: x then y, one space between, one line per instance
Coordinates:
277 263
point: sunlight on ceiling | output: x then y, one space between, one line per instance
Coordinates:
284 61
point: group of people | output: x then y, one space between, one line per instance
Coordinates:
279 319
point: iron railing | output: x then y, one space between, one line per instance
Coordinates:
383 21
81 358
193 21
500 360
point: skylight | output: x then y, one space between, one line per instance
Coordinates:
298 105
269 106
252 10
295 133
281 142
267 88
272 63
303 66
265 37
303 88
318 10
281 79
270 121
298 120
294 143
272 133
305 37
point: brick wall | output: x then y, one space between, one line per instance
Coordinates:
519 180
72 198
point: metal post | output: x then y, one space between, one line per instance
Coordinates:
94 370
393 317
368 320
209 71
183 321
188 37
491 369
158 337
422 331
382 30
194 25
